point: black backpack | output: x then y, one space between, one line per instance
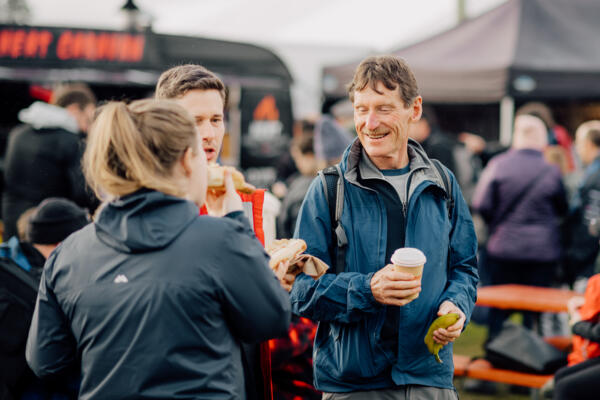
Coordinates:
334 195
18 292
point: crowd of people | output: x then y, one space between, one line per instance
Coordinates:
152 285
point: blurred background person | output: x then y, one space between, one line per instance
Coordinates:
52 222
330 141
582 238
579 380
557 155
436 143
46 226
458 156
303 154
557 134
286 167
522 199
41 229
150 273
291 357
556 324
43 157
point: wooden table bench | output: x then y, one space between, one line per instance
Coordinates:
483 370
466 367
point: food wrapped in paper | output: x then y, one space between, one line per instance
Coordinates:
291 250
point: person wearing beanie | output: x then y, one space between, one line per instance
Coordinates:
53 220
45 226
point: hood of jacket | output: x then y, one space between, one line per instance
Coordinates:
42 115
144 221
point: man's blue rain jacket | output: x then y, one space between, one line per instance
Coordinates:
349 352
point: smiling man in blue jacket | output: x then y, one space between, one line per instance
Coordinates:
369 343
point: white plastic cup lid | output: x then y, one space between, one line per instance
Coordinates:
408 257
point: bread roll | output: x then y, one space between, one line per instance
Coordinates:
216 179
285 250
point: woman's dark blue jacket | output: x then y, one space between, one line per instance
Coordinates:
154 300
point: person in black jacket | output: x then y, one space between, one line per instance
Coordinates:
152 298
43 157
436 143
44 228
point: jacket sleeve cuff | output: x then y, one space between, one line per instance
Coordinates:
367 292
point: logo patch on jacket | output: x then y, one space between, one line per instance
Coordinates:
121 279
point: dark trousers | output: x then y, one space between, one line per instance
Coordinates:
520 272
580 381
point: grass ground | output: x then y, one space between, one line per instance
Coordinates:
471 343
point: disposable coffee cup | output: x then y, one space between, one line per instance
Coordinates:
409 260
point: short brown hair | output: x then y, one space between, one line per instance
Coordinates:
136 146
73 93
177 81
392 72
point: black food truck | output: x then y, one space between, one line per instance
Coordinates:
123 65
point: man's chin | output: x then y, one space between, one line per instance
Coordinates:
211 157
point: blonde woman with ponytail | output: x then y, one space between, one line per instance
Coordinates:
153 299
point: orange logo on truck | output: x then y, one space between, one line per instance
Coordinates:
266 109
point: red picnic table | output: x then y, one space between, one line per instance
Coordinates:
524 297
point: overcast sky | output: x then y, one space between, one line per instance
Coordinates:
378 24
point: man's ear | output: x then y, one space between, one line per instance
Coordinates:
417 109
186 161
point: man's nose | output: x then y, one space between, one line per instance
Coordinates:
372 121
206 131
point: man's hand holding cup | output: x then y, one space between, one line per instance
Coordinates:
399 283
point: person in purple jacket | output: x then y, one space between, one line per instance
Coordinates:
522 199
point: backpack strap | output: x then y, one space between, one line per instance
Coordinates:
333 187
443 173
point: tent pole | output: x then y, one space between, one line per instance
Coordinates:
461 6
234 126
507 113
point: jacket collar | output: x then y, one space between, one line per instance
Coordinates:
421 166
